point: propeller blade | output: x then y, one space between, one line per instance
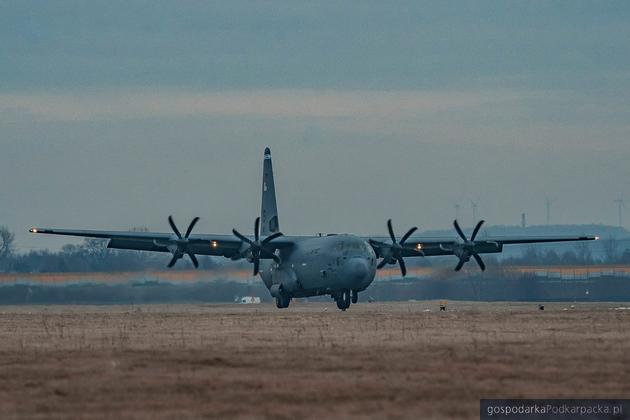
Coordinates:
191 226
172 223
476 231
459 231
391 231
257 248
375 243
382 264
257 228
193 259
480 262
173 261
416 251
403 267
269 253
241 237
408 234
271 237
256 266
460 264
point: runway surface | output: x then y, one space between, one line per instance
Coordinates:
398 360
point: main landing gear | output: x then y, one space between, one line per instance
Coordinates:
283 301
344 298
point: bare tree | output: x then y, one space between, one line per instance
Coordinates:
96 252
6 242
584 253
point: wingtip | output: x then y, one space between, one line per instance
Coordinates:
41 230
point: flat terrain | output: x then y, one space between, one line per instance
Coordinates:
396 360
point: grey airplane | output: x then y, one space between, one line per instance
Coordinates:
339 265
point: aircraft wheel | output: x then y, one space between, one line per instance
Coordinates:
343 300
341 305
355 296
283 301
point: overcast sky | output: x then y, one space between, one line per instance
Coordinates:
116 114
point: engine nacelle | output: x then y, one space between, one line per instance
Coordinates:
284 281
275 290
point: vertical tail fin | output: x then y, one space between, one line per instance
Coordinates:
268 208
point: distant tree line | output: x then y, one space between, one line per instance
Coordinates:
92 255
581 254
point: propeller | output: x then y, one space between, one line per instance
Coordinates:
467 249
181 244
392 253
257 249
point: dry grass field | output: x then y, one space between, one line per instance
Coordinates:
393 360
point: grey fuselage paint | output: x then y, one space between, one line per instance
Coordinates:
322 265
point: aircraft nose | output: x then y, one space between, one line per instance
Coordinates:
358 268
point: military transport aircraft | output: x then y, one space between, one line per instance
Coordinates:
340 265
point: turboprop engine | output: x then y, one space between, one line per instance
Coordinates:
284 281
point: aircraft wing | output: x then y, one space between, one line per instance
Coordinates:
201 244
432 246
229 245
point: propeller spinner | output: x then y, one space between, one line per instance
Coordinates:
392 253
257 248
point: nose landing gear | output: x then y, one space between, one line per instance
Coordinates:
344 298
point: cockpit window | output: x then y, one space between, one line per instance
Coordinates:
351 246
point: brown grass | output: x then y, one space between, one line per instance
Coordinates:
373 361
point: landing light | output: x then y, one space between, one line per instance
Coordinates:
33 230
214 244
597 238
419 247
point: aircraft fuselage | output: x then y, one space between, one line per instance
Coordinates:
322 265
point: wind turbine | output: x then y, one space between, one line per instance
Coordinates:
548 203
620 206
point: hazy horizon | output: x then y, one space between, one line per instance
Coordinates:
117 114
